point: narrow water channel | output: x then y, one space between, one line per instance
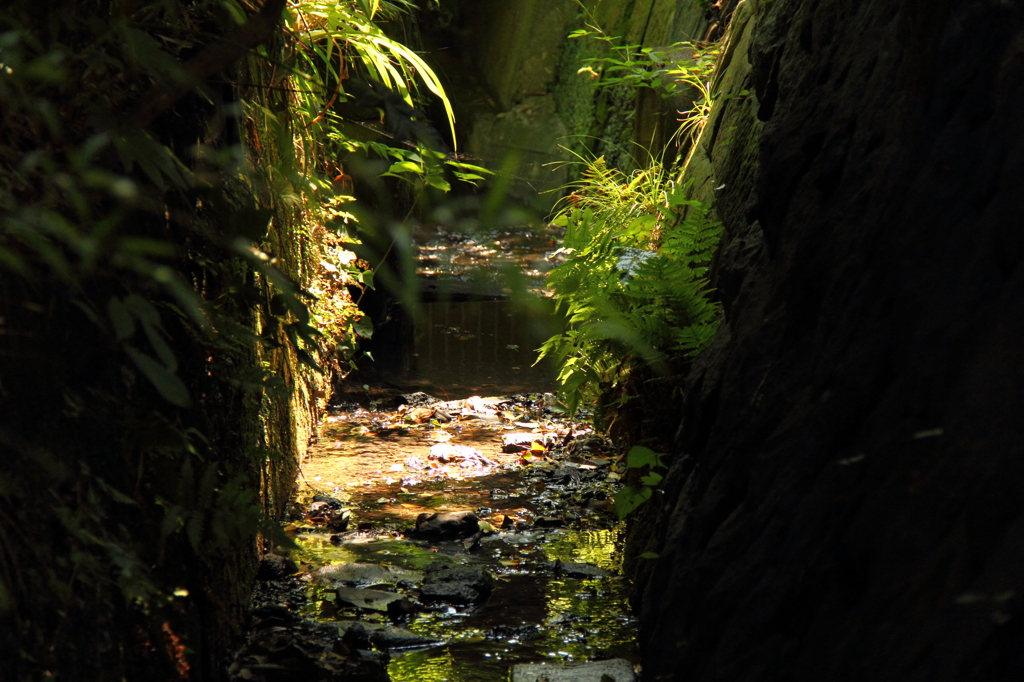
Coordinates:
454 418
550 540
473 332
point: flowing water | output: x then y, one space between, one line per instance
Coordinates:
386 471
483 316
389 465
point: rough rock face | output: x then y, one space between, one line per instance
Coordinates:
845 501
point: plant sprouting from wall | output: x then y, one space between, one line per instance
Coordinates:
341 54
634 287
682 68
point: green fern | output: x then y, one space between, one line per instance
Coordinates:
634 288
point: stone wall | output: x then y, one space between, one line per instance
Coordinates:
514 75
844 499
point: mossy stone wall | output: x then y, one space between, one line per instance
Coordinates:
541 110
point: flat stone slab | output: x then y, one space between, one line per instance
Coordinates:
358 574
574 570
383 637
374 600
615 670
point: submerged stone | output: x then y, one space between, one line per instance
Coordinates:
461 585
446 526
614 670
361 574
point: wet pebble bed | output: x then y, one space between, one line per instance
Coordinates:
445 541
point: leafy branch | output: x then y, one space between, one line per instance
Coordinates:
634 286
629 497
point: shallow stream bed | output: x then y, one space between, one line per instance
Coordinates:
532 492
553 498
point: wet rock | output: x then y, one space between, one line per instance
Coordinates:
418 399
329 511
511 633
282 647
272 615
548 522
274 567
472 541
332 502
614 670
390 639
466 456
462 585
361 575
450 593
401 608
577 570
446 526
361 635
339 522
373 600
356 636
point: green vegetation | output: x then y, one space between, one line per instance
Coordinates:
174 284
682 68
667 69
629 497
634 288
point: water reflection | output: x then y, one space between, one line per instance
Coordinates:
461 348
532 616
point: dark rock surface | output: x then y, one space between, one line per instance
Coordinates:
456 584
446 526
373 600
274 567
281 646
362 636
844 501
577 570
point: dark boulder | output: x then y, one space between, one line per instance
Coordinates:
446 526
462 585
274 567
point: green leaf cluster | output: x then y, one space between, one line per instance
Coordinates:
169 292
682 68
634 287
629 497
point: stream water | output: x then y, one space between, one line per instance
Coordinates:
483 315
540 485
388 470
